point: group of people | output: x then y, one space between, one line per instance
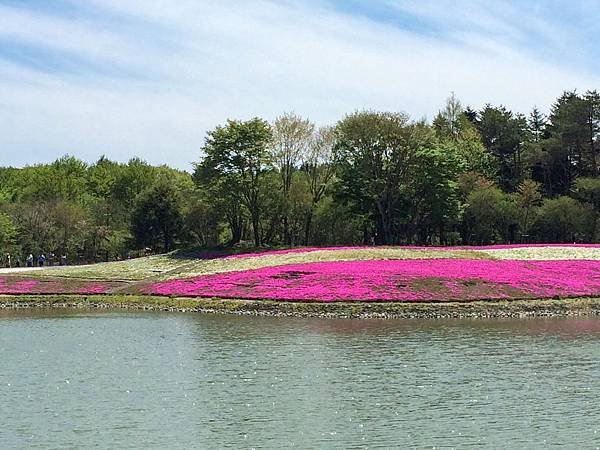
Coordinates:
31 261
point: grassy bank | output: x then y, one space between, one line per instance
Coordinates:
505 308
185 264
497 281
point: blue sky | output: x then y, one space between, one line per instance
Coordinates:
129 78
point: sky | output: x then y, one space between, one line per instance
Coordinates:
127 78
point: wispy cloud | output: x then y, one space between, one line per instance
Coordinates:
126 78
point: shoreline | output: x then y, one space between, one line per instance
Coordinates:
567 307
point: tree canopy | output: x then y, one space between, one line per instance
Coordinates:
375 177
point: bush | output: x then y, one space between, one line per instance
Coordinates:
564 219
490 216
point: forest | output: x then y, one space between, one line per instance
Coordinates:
374 178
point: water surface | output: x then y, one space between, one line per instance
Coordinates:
166 380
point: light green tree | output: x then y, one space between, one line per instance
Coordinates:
238 155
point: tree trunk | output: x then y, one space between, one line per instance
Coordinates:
287 238
166 239
307 227
236 225
255 228
386 226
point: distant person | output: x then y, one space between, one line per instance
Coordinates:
51 259
8 261
30 260
63 260
41 260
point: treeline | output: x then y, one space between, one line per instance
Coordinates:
86 212
469 177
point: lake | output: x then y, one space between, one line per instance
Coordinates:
77 378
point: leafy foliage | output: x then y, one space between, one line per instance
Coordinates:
157 217
470 177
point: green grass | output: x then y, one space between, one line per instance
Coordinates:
180 265
505 308
128 270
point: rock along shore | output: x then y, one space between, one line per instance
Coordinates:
381 310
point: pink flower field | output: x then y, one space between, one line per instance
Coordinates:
11 285
428 274
396 280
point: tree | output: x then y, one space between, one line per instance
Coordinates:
102 179
70 224
432 195
449 120
157 217
8 234
455 127
320 171
36 227
587 190
133 178
564 219
592 102
528 198
292 137
537 125
237 155
569 149
203 221
503 134
374 153
490 216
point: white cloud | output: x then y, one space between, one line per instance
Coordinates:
211 61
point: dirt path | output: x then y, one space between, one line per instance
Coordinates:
19 269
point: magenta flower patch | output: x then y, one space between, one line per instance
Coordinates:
397 280
17 286
11 285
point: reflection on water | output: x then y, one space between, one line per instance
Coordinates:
115 379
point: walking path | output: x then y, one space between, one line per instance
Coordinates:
20 269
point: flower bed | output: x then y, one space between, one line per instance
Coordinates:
11 285
396 280
338 274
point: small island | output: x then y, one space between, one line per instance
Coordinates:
384 282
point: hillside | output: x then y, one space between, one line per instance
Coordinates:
334 274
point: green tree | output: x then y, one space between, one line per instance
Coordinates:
8 234
450 120
490 216
528 198
587 190
237 155
454 126
503 134
569 150
537 125
203 221
592 102
432 194
564 219
132 179
320 172
292 136
157 217
374 153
